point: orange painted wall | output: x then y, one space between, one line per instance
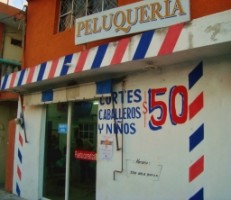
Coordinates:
43 43
10 156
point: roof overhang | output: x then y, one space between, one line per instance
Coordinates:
11 16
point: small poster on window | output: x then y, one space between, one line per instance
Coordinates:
106 148
62 128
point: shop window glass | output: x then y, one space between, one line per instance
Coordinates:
71 9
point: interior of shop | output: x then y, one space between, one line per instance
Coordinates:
82 167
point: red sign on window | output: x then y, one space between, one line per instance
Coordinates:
85 155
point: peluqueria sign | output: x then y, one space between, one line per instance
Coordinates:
134 18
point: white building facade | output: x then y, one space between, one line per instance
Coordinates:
160 127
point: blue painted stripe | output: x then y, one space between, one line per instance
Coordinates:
196 138
143 45
195 75
47 95
41 71
18 191
64 69
20 156
199 195
21 76
99 56
3 86
104 87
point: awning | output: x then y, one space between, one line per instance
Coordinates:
206 36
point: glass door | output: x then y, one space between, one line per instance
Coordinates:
70 151
83 151
55 151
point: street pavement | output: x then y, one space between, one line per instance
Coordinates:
7 196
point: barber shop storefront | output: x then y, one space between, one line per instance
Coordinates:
144 117
68 143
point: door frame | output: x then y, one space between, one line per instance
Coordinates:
68 149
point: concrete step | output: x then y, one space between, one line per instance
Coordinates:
8 196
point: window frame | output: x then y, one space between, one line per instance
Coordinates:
72 10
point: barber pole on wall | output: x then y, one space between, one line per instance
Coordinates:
19 143
21 139
196 138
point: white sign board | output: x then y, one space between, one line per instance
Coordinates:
106 148
133 18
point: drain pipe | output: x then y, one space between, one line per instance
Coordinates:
116 135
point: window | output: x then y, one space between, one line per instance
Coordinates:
71 9
88 131
16 42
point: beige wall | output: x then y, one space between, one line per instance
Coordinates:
12 52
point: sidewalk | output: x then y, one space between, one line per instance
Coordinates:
7 196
